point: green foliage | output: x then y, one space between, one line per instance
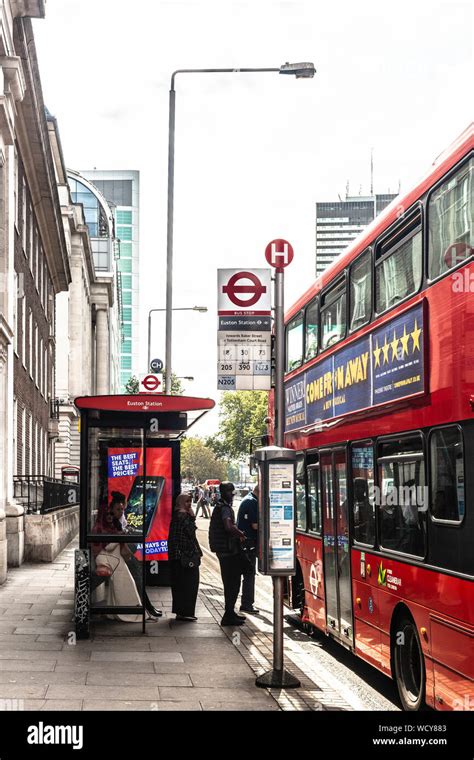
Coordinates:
241 416
198 461
176 387
132 385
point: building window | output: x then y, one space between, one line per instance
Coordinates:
127 281
23 331
123 217
127 330
23 442
294 342
30 340
402 495
311 330
127 347
23 215
363 506
361 291
450 213
124 233
16 188
126 298
15 435
40 366
31 243
125 250
447 474
125 265
36 350
399 266
333 315
126 362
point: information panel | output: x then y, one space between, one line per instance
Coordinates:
282 517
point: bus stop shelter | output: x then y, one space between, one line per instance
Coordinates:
130 476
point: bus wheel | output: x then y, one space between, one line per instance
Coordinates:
409 665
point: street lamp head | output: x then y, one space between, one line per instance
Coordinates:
200 308
299 70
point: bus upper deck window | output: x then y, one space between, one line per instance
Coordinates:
333 315
398 273
450 214
311 330
361 291
294 343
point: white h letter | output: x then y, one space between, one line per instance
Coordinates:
283 253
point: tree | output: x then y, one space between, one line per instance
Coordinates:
132 385
198 461
241 416
176 387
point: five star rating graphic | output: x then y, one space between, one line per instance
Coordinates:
403 340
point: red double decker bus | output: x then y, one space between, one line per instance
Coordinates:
379 405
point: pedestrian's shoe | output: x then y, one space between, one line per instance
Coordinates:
251 610
242 617
153 612
232 620
187 618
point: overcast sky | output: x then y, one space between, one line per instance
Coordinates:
253 152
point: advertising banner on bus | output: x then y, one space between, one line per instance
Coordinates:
385 366
127 478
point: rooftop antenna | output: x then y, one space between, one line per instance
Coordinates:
399 186
339 196
347 189
371 171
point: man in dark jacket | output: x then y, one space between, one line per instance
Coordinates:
247 521
224 540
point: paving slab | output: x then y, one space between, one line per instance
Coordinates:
153 706
144 679
60 705
103 692
41 678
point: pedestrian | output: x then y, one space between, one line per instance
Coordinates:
184 555
224 540
135 566
247 522
203 502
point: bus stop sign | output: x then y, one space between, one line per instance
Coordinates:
279 253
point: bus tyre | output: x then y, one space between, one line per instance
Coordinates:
409 665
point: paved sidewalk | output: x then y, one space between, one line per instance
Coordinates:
174 666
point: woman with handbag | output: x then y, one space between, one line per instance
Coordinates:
110 563
184 554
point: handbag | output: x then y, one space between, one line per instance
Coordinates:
189 561
106 564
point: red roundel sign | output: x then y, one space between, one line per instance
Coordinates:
151 383
279 253
246 294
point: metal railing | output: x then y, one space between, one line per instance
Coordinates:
40 494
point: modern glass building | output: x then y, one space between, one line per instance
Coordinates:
339 222
121 189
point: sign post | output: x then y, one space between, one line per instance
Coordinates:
277 479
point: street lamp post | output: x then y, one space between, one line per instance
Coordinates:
184 308
300 71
